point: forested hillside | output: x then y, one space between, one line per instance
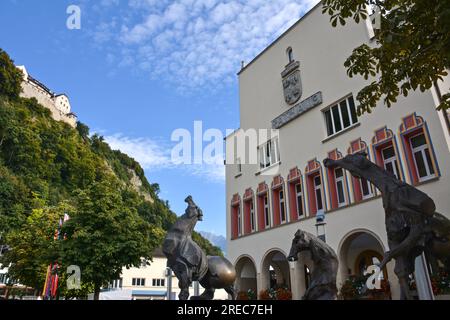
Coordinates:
48 169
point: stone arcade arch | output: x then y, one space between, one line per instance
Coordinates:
246 275
275 270
358 250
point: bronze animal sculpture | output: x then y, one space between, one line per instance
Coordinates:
323 278
412 224
190 263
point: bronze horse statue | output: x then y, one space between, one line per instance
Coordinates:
326 263
412 224
190 263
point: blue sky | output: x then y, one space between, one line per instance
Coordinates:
139 69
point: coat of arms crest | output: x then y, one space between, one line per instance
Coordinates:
292 85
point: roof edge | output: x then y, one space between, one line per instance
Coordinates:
279 38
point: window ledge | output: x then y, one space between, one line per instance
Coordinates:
341 132
421 183
352 204
273 228
268 168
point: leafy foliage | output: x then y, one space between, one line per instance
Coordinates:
48 169
206 245
412 48
10 77
104 234
33 247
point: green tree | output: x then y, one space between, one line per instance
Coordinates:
10 77
32 247
83 130
14 201
104 235
412 48
210 249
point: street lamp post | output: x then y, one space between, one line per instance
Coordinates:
169 283
321 225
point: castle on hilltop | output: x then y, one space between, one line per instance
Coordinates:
58 104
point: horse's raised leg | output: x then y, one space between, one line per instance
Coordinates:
184 279
230 290
208 294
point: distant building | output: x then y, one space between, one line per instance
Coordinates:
299 85
58 104
3 270
149 282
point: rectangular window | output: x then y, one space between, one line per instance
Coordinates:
299 199
366 189
329 122
337 118
269 153
138 282
390 161
252 216
158 282
318 191
340 116
339 175
282 207
238 166
347 122
239 221
352 108
422 158
266 211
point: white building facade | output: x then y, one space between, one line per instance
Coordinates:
299 86
149 282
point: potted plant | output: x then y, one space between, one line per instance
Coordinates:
246 295
280 293
352 289
283 294
441 285
268 294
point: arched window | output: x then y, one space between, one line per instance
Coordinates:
386 154
249 212
362 189
296 195
236 217
418 149
314 182
262 195
337 183
290 55
279 201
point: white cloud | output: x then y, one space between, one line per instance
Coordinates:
147 152
155 155
199 43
